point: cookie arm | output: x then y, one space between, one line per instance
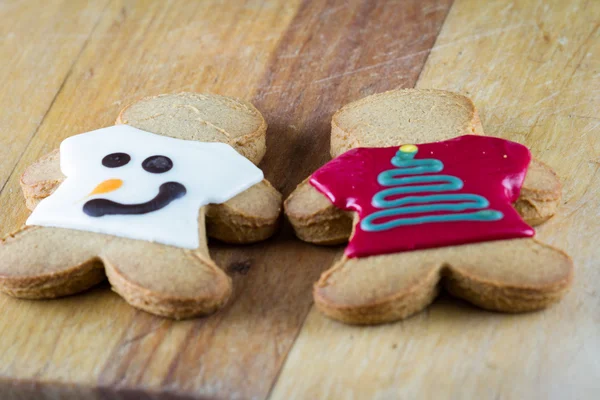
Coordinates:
315 219
251 216
40 179
248 217
540 194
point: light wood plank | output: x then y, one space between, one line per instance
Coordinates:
95 340
532 69
38 48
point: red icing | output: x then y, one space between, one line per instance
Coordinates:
491 167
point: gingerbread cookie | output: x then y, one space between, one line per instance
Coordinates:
425 207
131 204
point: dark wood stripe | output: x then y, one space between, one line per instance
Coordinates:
333 52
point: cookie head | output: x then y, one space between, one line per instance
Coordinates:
126 182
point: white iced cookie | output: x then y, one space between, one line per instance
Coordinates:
126 182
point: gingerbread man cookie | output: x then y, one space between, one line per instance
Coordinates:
130 202
425 208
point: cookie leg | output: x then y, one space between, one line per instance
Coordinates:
43 263
510 275
378 289
165 280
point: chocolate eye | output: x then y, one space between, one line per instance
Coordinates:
157 164
116 160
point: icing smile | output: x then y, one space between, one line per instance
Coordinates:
167 192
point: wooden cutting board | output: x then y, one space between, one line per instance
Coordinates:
532 68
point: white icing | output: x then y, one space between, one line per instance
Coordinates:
210 172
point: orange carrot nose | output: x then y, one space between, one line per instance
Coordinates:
108 185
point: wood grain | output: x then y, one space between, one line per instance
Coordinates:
297 62
532 69
333 54
95 340
36 44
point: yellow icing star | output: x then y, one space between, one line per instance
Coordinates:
408 148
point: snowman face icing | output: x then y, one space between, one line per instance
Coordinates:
126 182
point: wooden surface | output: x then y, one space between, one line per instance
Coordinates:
532 68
